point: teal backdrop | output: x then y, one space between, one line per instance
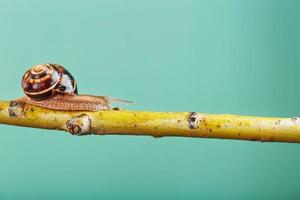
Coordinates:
215 56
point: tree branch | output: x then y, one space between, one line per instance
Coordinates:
156 124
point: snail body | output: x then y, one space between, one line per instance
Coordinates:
70 102
52 86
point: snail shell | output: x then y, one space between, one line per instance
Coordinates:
42 81
52 86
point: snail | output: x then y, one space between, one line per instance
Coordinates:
52 86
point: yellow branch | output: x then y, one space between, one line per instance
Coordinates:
156 124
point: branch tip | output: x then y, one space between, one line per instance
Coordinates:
15 109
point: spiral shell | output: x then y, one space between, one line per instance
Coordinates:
44 80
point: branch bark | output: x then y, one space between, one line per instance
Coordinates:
156 124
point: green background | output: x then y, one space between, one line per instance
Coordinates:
226 56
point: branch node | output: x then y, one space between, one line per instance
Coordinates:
296 120
80 125
15 109
194 120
